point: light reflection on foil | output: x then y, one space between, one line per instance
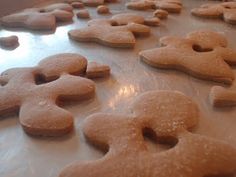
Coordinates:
124 92
48 40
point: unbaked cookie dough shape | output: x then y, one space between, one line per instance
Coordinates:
169 116
44 18
36 92
172 6
225 11
221 96
108 33
202 54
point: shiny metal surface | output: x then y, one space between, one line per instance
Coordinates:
22 155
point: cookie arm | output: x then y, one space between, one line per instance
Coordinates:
138 29
220 157
86 34
72 88
159 57
219 96
196 156
105 167
229 55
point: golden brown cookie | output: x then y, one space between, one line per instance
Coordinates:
203 54
84 13
160 13
172 6
9 41
168 117
220 96
39 18
227 10
103 32
97 70
152 21
36 92
103 9
77 5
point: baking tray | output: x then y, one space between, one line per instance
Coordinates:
22 155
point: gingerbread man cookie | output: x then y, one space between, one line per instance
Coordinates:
220 96
227 10
36 92
167 116
106 32
39 18
203 54
172 6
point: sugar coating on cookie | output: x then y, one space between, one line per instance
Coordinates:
97 70
221 97
103 32
9 41
36 91
172 6
169 116
227 10
84 13
202 54
102 9
44 18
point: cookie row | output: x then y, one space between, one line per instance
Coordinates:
168 115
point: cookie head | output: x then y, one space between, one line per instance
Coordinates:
207 40
174 111
54 66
